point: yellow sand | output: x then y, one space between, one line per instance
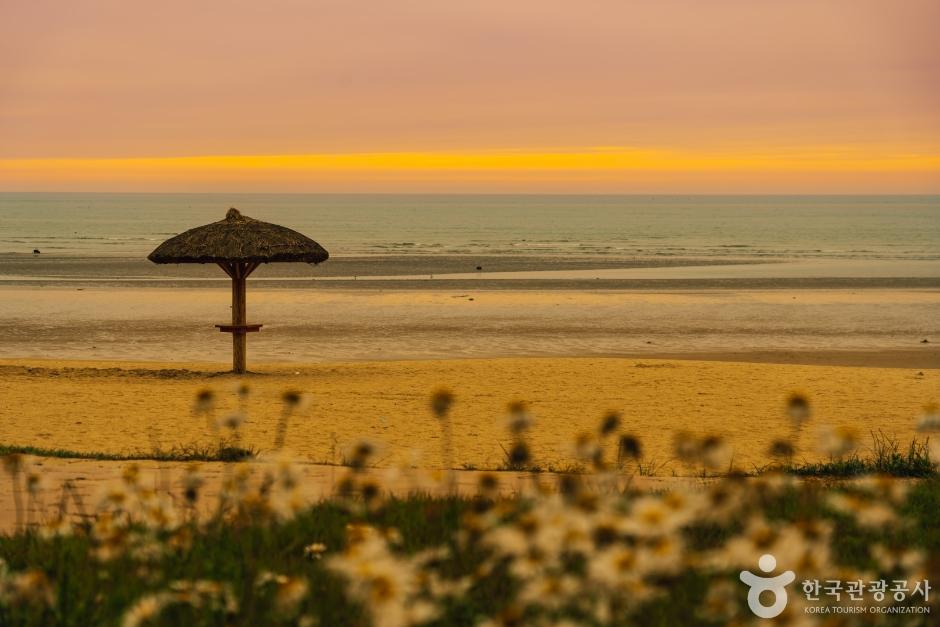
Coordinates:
121 407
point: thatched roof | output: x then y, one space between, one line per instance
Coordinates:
239 238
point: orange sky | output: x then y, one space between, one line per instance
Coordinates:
471 95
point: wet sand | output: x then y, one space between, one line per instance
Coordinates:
125 407
116 268
484 272
884 327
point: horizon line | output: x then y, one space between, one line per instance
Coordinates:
477 193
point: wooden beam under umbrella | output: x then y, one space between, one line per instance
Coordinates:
239 328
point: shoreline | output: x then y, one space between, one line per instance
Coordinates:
927 358
338 265
496 285
489 273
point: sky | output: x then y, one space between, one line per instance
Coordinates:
588 96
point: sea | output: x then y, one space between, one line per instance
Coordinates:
449 276
571 226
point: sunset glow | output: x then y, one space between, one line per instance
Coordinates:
606 168
640 97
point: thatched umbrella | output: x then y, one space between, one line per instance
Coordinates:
239 244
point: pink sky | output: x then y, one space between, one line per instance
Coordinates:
736 79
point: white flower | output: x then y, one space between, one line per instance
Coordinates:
894 489
935 450
55 527
721 602
867 513
744 550
386 585
892 559
551 591
654 516
145 609
315 550
838 441
507 540
663 555
930 421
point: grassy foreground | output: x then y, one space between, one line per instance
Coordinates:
576 548
257 568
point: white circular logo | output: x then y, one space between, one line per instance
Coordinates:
777 585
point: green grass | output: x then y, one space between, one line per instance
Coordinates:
886 457
97 594
222 552
220 452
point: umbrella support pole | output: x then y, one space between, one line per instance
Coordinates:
239 328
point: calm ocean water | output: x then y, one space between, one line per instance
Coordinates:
860 227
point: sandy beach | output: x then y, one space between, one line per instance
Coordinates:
115 369
123 407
